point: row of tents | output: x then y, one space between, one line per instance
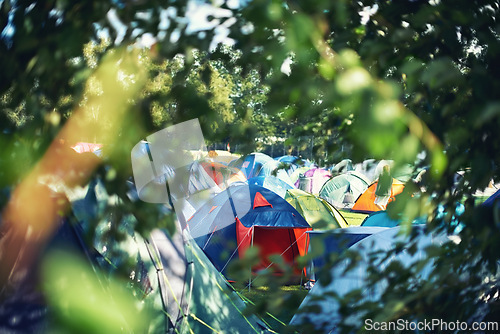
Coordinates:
253 201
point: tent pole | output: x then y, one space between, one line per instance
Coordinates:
250 280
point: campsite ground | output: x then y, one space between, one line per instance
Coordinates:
293 293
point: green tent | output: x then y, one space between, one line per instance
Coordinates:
316 211
342 190
171 277
194 296
296 173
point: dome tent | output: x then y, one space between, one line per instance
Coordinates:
252 163
313 179
244 215
272 183
194 295
342 190
316 211
366 201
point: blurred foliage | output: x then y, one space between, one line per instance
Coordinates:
384 79
97 306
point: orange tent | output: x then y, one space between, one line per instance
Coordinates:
222 174
366 201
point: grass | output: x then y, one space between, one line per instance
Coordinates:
275 306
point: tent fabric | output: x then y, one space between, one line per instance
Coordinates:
221 174
366 201
318 213
343 166
272 183
312 180
342 190
371 249
273 168
251 164
228 230
260 164
188 295
324 243
204 302
288 159
297 172
260 201
490 201
221 156
201 186
292 163
380 218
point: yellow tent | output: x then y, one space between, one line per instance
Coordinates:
320 214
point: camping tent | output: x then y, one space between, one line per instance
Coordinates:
366 201
297 172
273 168
348 277
343 166
260 164
251 164
272 183
222 174
294 162
181 287
316 211
245 215
326 242
196 297
224 157
313 179
342 190
380 218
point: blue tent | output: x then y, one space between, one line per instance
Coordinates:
292 159
272 183
381 219
495 198
324 243
245 215
251 164
287 159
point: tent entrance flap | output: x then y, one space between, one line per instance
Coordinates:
288 243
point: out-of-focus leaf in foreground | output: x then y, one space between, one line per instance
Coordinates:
84 303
